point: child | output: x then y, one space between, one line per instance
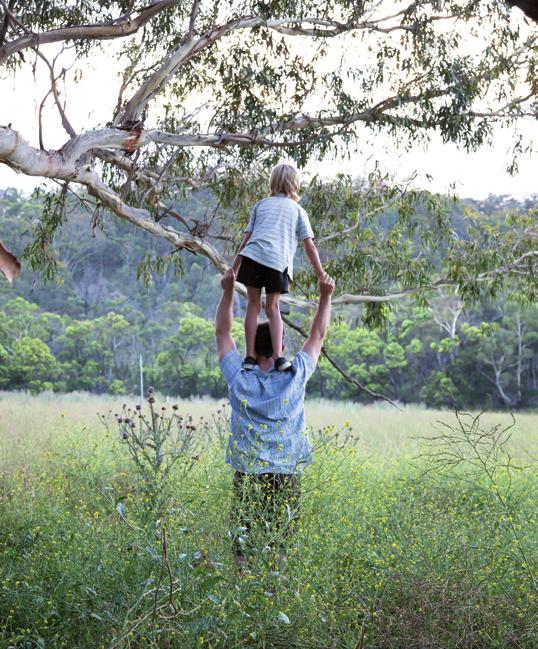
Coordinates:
265 257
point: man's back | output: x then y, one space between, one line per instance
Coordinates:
268 428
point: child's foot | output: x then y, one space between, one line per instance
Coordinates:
249 363
282 364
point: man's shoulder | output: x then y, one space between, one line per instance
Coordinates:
303 364
305 358
230 365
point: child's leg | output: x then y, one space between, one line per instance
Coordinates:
251 318
272 310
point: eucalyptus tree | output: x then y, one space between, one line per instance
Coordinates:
211 94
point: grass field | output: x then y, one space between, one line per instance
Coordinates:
402 542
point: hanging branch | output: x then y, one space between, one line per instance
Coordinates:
350 379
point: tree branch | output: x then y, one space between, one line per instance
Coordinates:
119 28
194 14
517 265
71 163
53 88
142 219
350 379
188 48
8 10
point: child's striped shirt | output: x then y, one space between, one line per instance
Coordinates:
277 224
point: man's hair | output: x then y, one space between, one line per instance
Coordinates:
285 180
263 345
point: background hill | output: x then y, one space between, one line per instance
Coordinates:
107 307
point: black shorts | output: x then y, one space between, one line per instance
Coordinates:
251 273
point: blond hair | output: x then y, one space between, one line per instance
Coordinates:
285 180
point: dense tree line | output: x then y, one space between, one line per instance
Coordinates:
88 331
489 356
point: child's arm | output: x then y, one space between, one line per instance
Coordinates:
312 252
237 261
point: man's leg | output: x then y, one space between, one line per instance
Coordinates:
287 504
278 510
242 511
251 318
265 512
272 310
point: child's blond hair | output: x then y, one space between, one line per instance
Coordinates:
285 180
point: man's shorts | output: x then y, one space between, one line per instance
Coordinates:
251 273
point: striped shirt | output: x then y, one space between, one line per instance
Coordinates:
277 224
268 428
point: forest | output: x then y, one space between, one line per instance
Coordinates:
115 296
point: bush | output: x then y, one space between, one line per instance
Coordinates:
389 553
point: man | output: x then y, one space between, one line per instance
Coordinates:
267 446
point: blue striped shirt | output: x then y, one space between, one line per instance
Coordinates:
277 224
268 428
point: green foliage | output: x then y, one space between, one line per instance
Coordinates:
158 442
100 320
388 552
31 365
39 252
439 391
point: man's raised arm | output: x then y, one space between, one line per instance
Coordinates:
224 317
322 317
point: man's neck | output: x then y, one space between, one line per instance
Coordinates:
264 363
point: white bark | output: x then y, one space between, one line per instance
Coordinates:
446 310
498 370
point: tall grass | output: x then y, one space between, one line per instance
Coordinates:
395 547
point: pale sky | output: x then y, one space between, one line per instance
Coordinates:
90 103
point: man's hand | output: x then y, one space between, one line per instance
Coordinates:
227 281
325 285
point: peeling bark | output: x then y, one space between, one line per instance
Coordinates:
10 266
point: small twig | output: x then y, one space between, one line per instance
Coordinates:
5 24
194 13
54 90
13 17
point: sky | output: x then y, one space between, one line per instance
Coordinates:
439 167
